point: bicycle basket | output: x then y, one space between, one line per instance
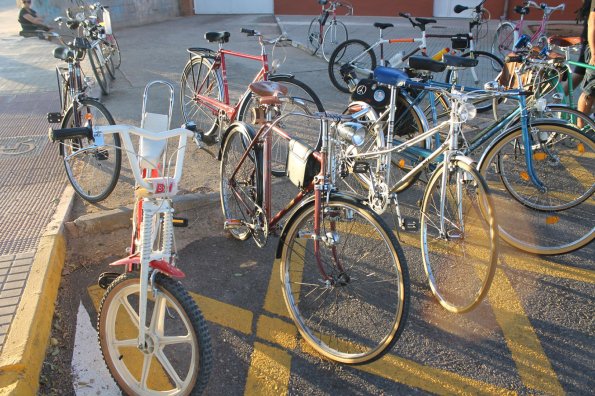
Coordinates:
301 164
368 91
460 41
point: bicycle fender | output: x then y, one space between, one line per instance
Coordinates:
273 76
467 160
160 265
246 128
303 206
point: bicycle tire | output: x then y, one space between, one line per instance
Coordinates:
116 54
357 54
182 314
371 327
488 69
543 231
63 89
338 35
109 61
98 70
305 129
503 40
313 38
208 81
92 173
457 276
240 200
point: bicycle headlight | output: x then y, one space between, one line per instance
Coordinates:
467 112
352 133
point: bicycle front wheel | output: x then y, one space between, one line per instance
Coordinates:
503 40
355 55
559 219
334 35
347 287
116 55
459 236
305 129
314 35
201 78
177 359
241 194
92 173
110 66
99 70
488 68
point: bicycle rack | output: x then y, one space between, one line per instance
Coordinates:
152 152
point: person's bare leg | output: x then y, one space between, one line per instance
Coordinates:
585 104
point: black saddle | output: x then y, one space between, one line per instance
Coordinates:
458 61
425 63
382 26
217 37
425 21
63 53
521 10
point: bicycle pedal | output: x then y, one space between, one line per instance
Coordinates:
106 279
232 224
180 222
54 118
361 167
410 225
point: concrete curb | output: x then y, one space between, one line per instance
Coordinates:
110 220
25 347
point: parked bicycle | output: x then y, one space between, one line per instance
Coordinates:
92 169
359 58
205 97
337 256
148 324
326 38
508 33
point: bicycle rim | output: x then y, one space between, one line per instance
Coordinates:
92 173
460 258
567 176
358 312
98 70
334 35
178 358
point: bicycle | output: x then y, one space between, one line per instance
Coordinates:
507 33
93 173
358 59
205 94
336 255
457 213
146 315
102 32
326 38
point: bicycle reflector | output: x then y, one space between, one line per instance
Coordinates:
352 133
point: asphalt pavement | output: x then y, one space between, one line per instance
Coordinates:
532 335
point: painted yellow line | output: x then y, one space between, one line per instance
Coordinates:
532 364
269 372
277 331
274 301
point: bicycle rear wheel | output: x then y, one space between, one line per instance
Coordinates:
305 129
116 55
199 78
560 219
92 173
314 35
346 288
98 70
178 356
334 35
241 195
109 61
503 40
355 55
459 257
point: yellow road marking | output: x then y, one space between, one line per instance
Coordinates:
277 331
227 315
269 371
532 364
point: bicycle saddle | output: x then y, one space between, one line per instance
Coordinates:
63 53
382 26
564 41
268 91
218 37
458 61
390 76
425 21
521 10
425 63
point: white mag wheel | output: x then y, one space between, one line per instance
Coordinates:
177 357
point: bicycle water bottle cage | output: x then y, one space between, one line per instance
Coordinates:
390 76
458 61
217 37
425 63
521 10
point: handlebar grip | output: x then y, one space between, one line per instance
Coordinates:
249 32
70 133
